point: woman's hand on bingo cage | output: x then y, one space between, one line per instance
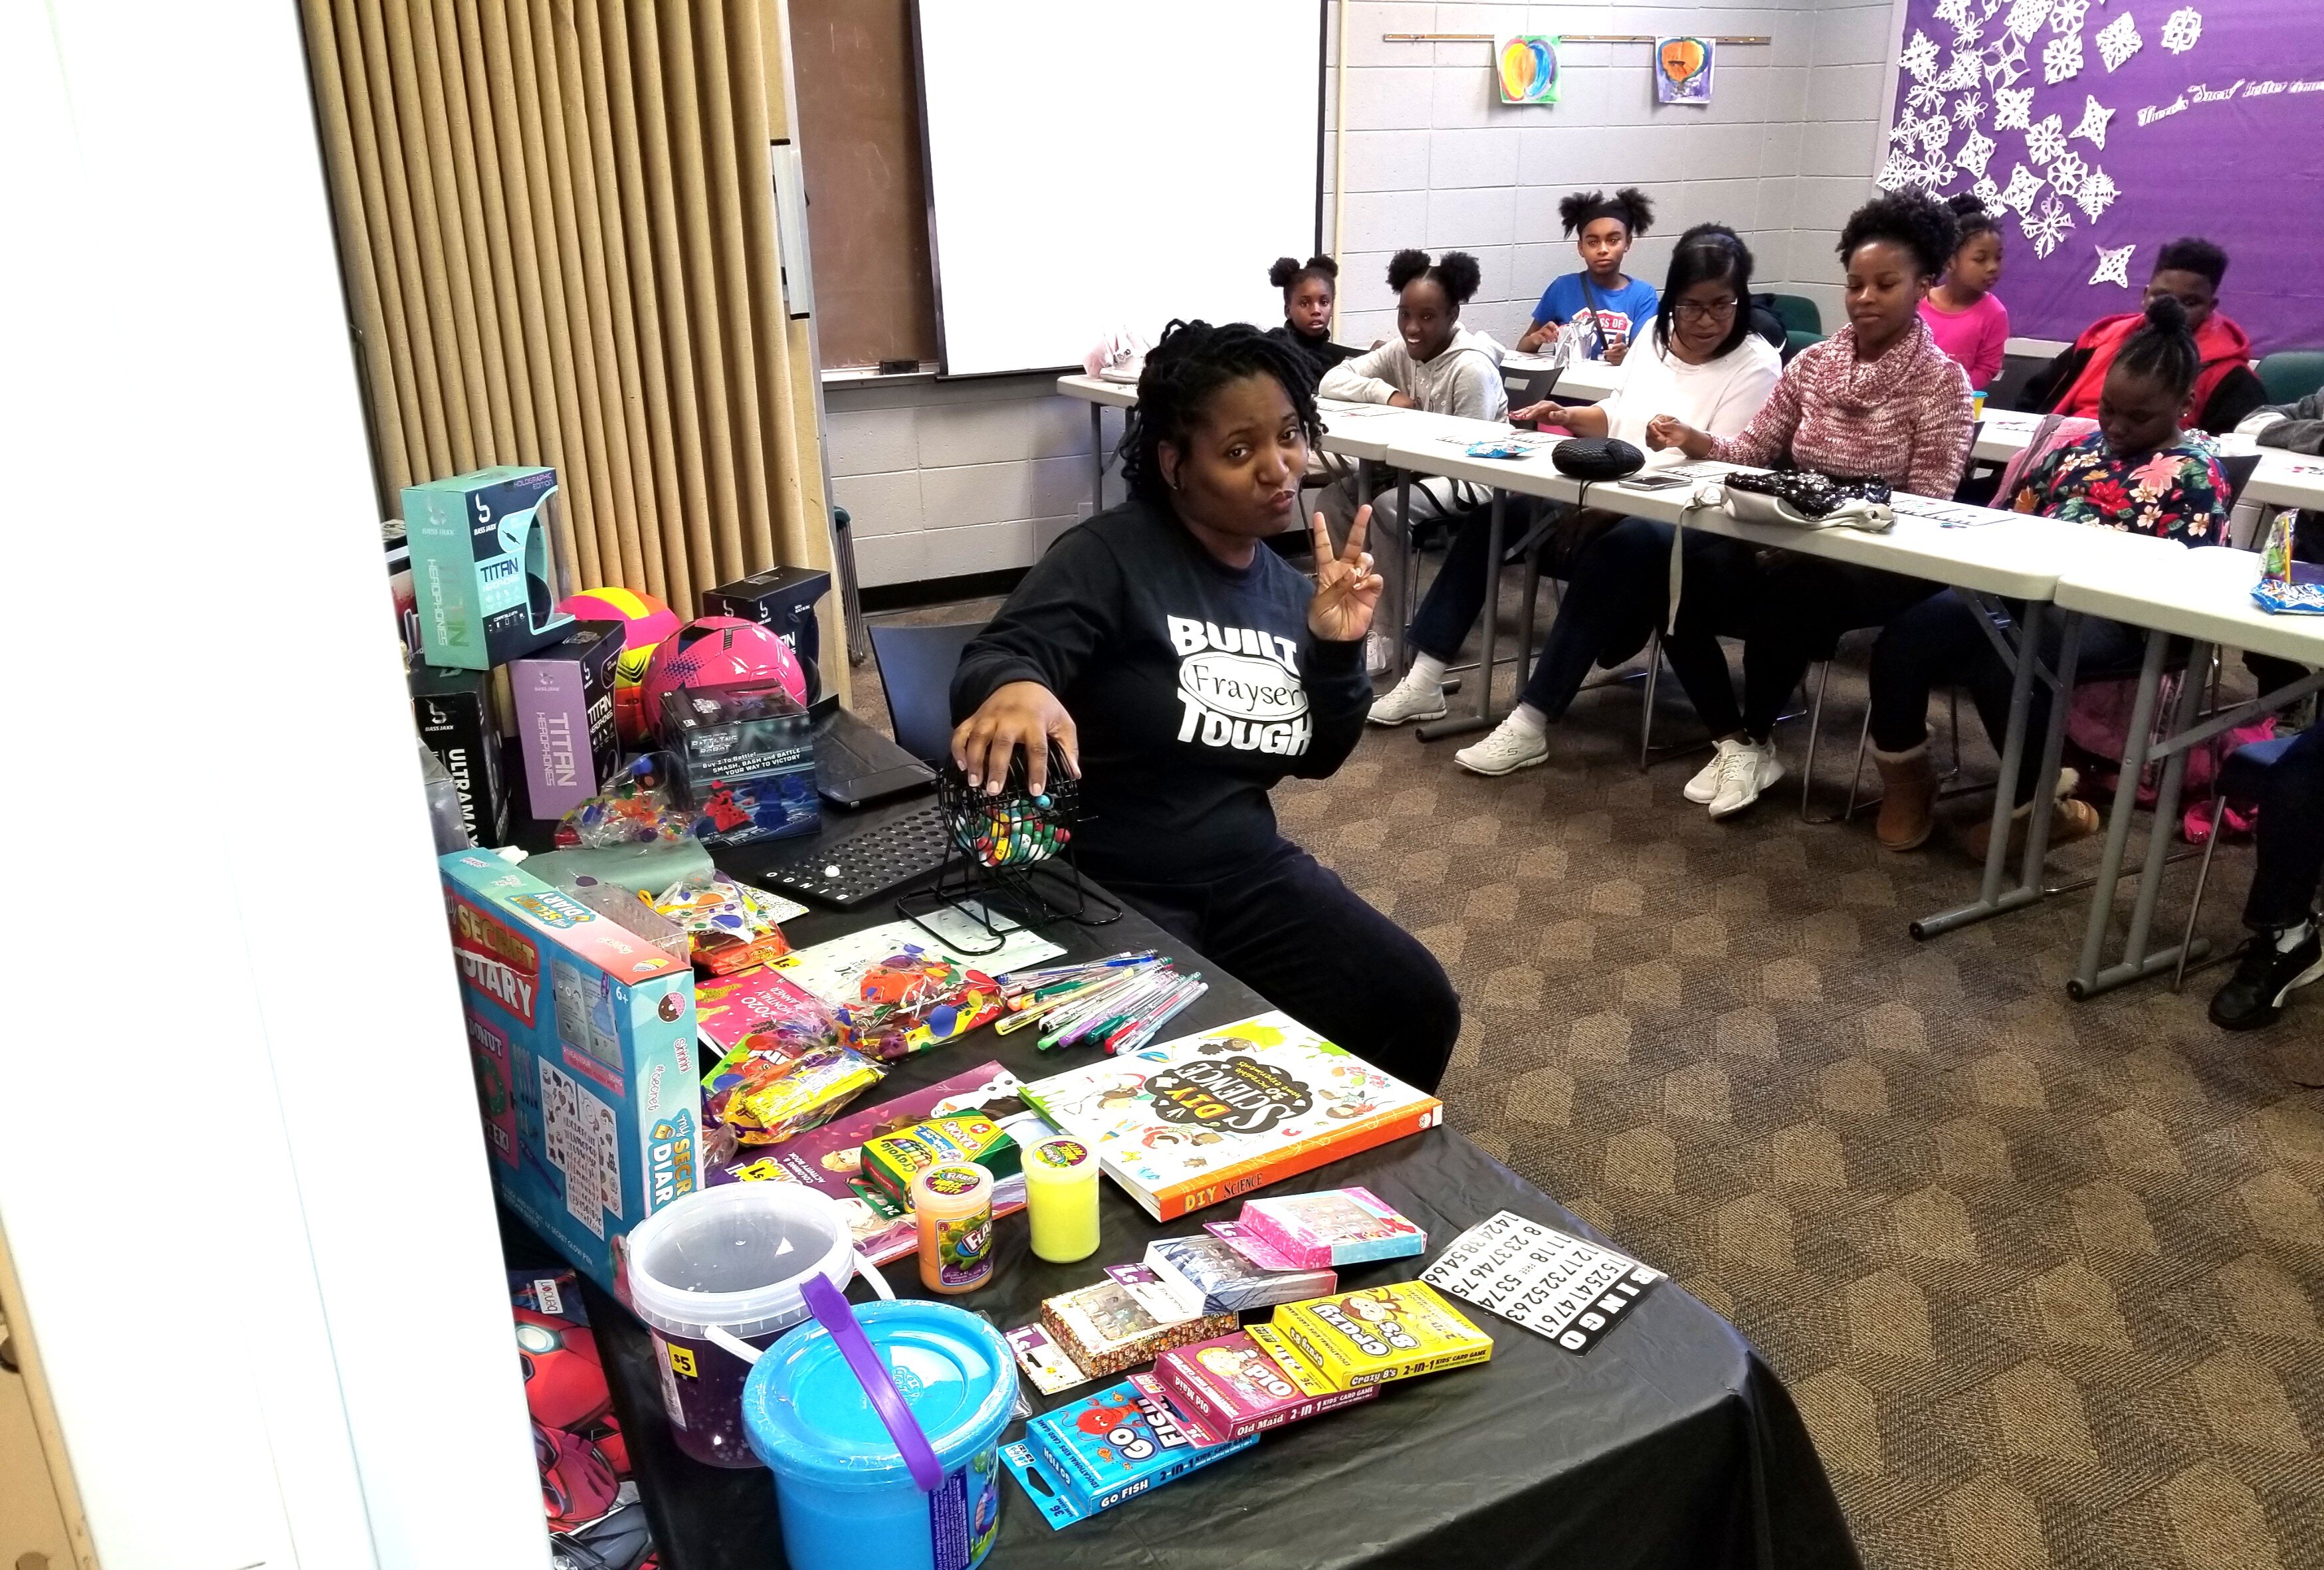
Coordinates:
1019 714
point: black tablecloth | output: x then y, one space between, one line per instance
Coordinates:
1670 1444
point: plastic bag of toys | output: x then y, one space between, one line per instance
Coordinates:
733 925
763 1092
638 809
915 1000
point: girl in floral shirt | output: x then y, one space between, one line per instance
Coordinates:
2138 473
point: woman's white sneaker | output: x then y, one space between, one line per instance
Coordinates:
1745 770
1703 788
1416 697
1510 747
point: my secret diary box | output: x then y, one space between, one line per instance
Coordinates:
485 570
582 1036
563 702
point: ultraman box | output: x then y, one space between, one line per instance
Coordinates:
581 1035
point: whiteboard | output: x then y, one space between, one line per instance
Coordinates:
1097 163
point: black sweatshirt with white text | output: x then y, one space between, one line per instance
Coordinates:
1194 686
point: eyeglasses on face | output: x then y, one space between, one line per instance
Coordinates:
1692 311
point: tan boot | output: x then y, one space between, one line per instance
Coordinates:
2070 819
1908 792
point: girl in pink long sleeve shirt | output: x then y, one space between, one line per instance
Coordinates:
1970 323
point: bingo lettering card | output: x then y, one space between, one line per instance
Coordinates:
1555 1285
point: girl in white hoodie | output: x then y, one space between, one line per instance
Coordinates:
1433 363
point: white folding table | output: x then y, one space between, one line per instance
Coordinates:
2205 597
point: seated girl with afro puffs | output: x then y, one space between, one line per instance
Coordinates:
1612 308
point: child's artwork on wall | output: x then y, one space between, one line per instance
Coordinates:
1527 64
1683 70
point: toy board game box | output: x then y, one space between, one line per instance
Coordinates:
1333 1226
1234 1387
1189 1123
1106 1448
563 700
454 710
581 1035
830 1158
1399 1331
487 569
748 755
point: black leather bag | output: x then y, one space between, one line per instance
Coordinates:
1596 458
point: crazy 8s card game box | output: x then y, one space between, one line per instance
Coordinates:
582 1036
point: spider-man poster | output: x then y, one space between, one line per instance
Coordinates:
595 1519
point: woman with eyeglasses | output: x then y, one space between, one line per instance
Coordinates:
1703 357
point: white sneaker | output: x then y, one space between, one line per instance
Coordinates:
1510 747
1703 788
1744 769
1413 698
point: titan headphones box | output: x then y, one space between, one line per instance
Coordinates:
486 572
563 700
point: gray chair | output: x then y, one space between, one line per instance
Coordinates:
916 669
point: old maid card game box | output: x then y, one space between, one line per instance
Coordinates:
582 1036
1105 1448
1239 1386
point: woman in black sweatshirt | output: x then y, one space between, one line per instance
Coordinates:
1183 668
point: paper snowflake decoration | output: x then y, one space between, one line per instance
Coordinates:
2026 16
2048 227
1936 132
1954 12
1990 195
2045 140
2007 62
2117 41
1907 131
1975 153
2114 266
1966 34
2012 109
2061 58
1920 57
2067 175
2180 31
1965 69
1926 98
2065 15
1900 171
1967 110
2093 128
2096 194
1937 171
2024 186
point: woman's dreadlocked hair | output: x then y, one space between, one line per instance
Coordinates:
1183 371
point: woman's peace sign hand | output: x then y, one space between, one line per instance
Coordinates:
1347 590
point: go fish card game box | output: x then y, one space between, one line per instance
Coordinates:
582 1037
1105 1448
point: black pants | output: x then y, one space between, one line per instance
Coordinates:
1939 640
1312 946
2291 837
1806 603
1617 592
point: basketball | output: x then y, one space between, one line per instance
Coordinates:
720 651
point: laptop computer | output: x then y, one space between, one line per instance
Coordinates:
855 766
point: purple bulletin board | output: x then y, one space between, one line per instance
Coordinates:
2107 127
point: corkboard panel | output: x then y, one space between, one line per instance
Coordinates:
859 136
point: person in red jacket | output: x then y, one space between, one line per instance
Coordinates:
2226 388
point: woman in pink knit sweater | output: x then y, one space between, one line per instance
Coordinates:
1878 396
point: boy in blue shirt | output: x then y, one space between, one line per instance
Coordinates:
1614 309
